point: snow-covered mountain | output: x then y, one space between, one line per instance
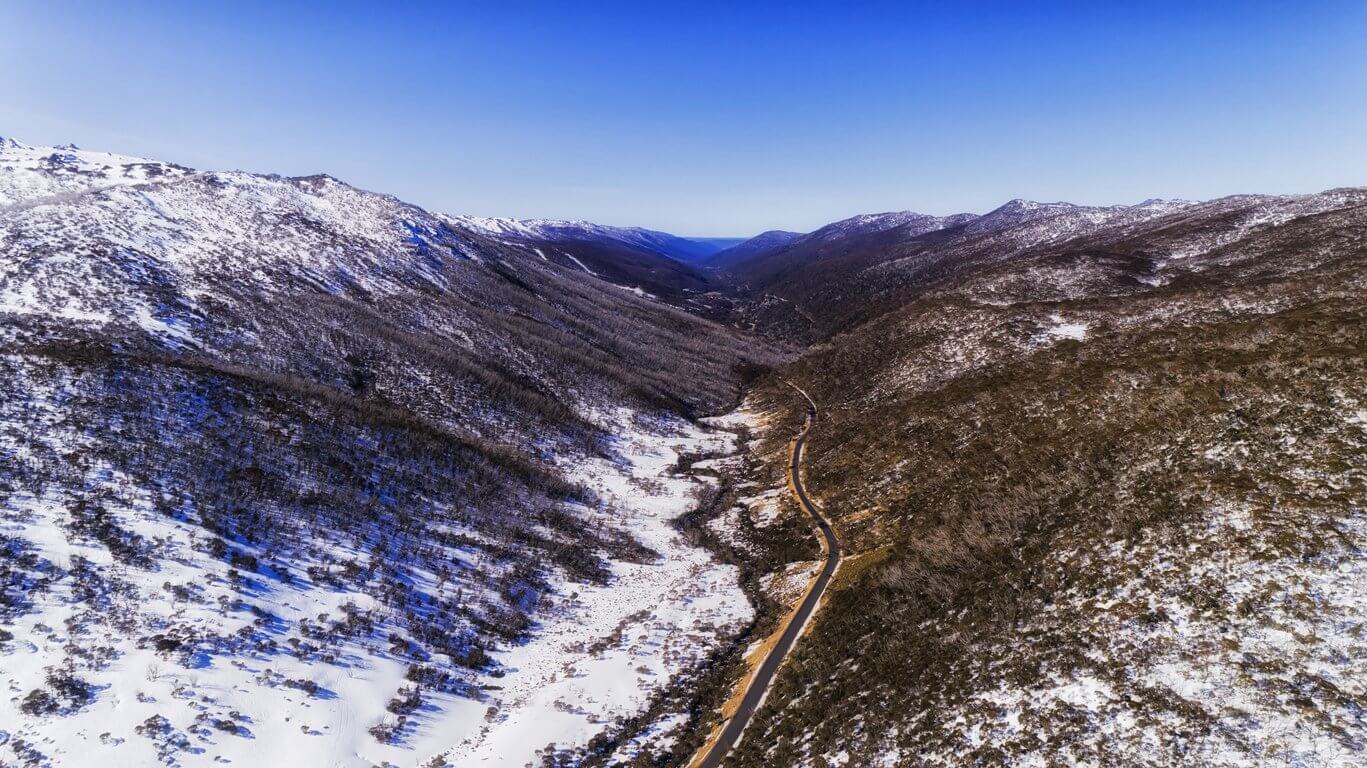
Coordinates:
300 470
649 263
1066 218
909 222
683 249
30 174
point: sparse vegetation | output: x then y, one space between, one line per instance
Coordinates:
1099 475
333 441
1083 548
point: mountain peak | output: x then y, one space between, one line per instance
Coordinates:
1021 204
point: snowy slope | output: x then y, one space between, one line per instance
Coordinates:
188 668
29 174
872 223
300 470
619 644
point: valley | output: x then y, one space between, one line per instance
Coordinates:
296 468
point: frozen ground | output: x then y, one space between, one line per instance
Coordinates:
605 651
598 653
211 557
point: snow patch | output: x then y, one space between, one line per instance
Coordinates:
605 650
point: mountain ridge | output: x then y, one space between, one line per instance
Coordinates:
297 467
684 249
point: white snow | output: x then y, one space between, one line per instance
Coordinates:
581 264
600 652
636 289
606 650
1065 330
35 176
1058 329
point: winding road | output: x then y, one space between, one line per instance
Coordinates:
764 677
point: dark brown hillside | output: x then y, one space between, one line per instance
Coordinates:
848 278
1094 518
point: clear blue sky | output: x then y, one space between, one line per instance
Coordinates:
710 120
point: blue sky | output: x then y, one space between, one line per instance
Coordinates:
702 119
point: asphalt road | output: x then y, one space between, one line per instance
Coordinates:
759 684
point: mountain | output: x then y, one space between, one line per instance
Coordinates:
746 250
854 270
681 249
651 263
774 281
1099 493
834 241
874 223
298 469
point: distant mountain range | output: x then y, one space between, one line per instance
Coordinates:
685 249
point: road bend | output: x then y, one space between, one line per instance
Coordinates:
763 678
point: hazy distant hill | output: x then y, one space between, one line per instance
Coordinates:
745 250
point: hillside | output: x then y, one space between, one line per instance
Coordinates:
293 468
301 468
551 231
854 270
651 264
1102 496
751 249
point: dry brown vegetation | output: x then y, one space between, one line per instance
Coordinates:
994 469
